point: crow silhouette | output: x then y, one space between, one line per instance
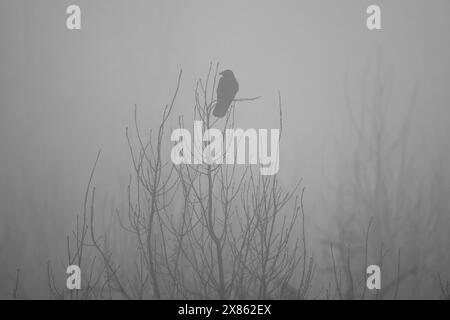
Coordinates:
226 91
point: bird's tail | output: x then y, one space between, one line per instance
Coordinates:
221 108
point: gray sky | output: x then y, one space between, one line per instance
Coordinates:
64 94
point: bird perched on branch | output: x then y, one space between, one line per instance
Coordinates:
226 91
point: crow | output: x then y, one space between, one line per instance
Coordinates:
226 91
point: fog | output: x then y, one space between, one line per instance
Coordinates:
365 121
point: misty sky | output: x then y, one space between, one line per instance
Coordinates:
64 94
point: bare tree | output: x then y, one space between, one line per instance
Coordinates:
202 231
376 199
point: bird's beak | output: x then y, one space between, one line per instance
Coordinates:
221 73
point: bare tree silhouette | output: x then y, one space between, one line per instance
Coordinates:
202 231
